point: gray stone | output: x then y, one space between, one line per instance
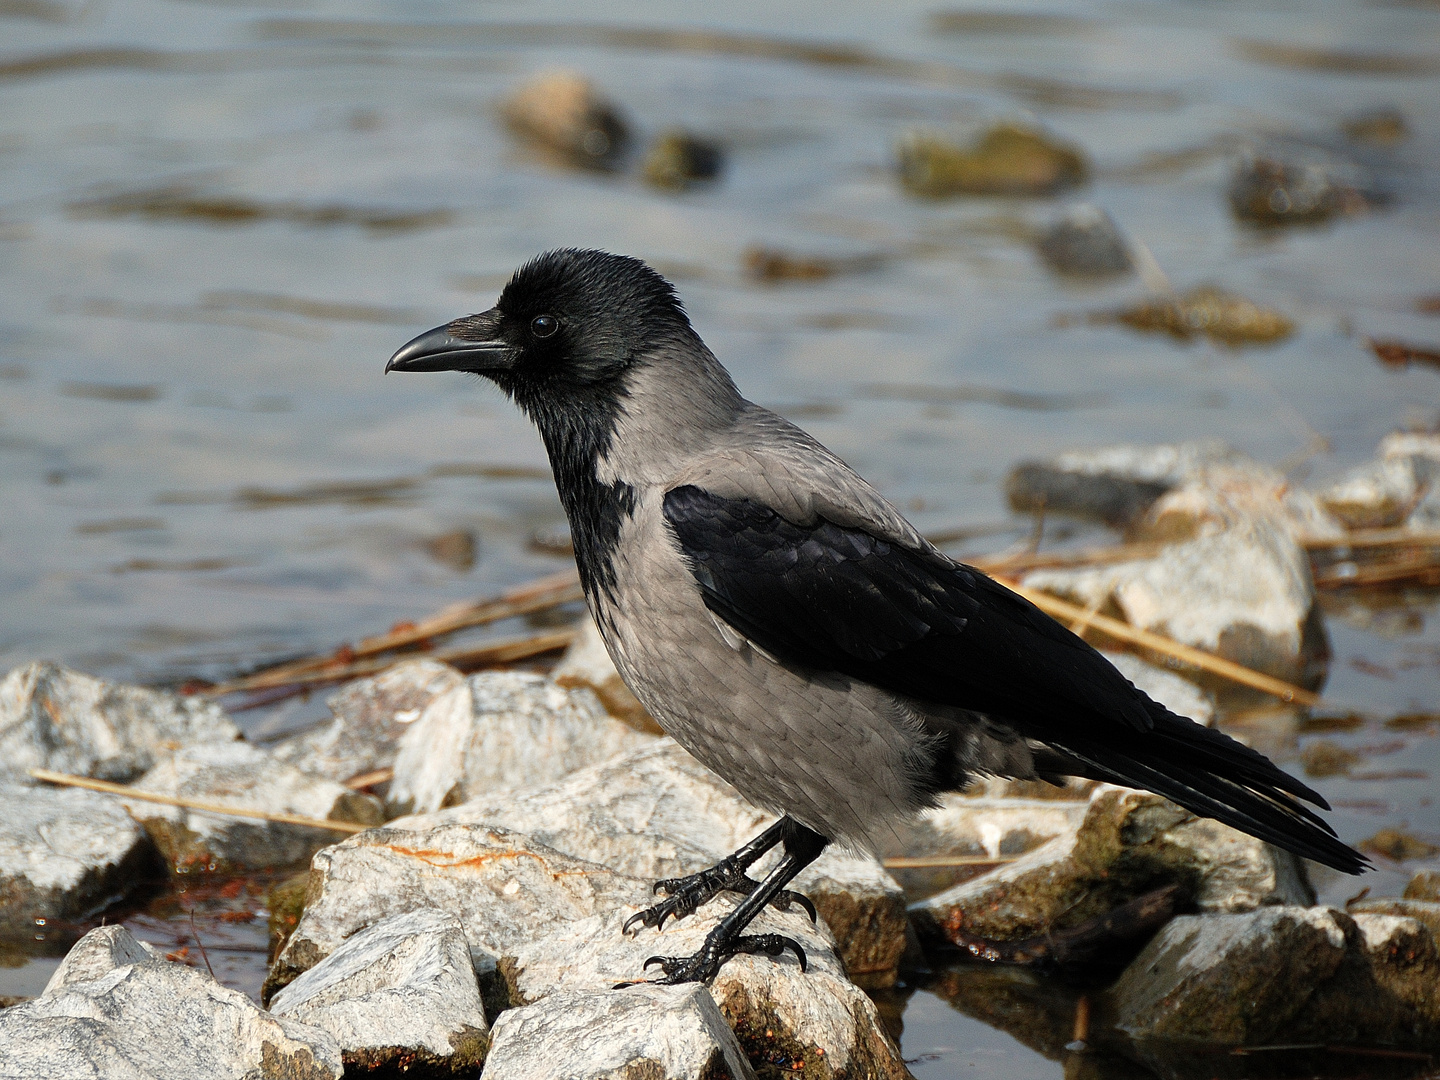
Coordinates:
239 775
1085 241
587 665
1176 694
500 730
99 952
1243 591
506 890
64 853
640 1033
816 1020
52 718
657 812
145 1019
369 716
398 995
1229 979
1083 860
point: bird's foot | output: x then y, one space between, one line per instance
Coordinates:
703 966
684 894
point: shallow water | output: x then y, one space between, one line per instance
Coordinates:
201 466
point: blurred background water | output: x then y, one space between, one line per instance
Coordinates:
202 468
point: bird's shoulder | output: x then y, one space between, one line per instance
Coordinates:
767 462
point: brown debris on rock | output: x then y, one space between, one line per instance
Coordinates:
1008 159
1209 311
563 113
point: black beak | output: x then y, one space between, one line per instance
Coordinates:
439 350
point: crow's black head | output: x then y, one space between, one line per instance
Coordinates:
567 323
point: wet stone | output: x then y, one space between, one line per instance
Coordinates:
122 1012
499 730
563 113
1086 242
677 160
587 665
368 718
1299 186
657 812
53 718
773 265
1384 127
239 775
64 853
1323 758
506 890
640 1033
1008 159
815 1020
399 995
1080 861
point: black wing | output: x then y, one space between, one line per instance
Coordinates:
835 598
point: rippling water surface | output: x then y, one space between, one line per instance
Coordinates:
217 220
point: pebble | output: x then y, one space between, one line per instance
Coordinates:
500 730
678 160
1298 186
1085 241
1206 310
562 112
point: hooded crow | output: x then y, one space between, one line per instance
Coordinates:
787 625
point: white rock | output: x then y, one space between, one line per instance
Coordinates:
401 993
587 665
1244 593
146 1019
1217 496
1378 494
506 890
1179 695
780 1013
98 952
369 717
51 718
64 852
237 774
655 1032
656 812
1083 860
502 729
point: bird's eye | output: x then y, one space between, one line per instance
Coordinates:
542 326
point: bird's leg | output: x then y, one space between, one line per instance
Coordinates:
802 846
684 894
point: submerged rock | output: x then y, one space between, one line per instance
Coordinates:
64 853
1207 310
677 160
657 812
498 730
399 995
773 265
506 890
1085 241
562 112
1382 127
369 717
1080 861
52 718
814 1020
239 775
120 1011
1008 159
655 1032
587 665
1299 186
